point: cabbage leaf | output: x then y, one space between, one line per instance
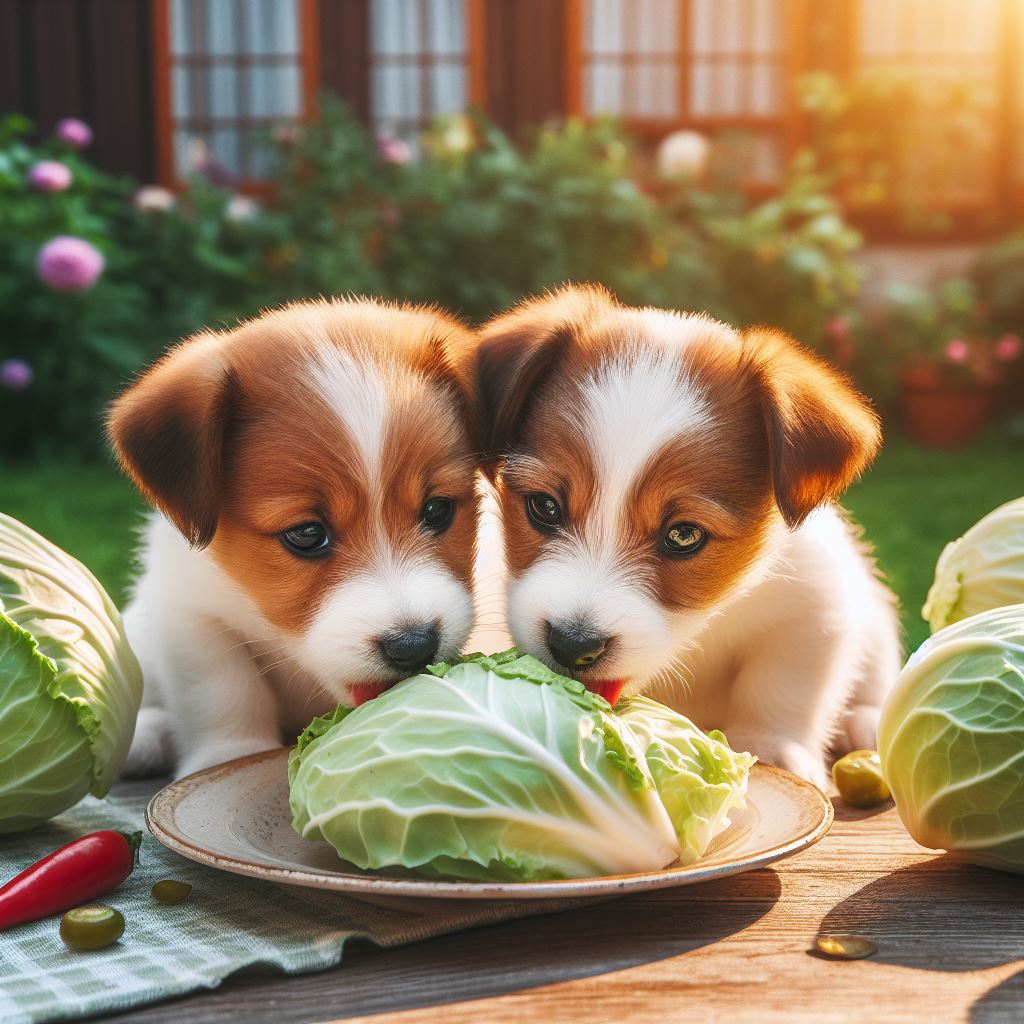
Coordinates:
698 777
71 686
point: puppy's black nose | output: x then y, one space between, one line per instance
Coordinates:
575 646
411 649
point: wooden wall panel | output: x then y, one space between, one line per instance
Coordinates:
539 43
118 80
831 29
524 54
499 98
55 61
83 58
14 84
344 52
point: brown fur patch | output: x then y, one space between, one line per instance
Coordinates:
822 434
167 428
276 455
786 430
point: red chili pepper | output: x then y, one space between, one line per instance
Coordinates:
74 874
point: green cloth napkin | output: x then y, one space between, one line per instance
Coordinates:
228 923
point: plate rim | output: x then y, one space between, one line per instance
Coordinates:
426 888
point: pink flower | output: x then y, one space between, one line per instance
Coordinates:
16 374
68 264
957 351
74 132
201 161
1008 348
393 151
286 135
153 199
838 328
49 176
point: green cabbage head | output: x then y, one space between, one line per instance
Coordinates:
983 569
497 768
951 740
70 686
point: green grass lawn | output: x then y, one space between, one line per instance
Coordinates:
911 503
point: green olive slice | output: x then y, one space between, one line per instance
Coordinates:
858 777
168 890
91 927
845 947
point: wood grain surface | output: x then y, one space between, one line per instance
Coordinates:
950 938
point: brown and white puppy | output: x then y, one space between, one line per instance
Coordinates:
667 489
315 473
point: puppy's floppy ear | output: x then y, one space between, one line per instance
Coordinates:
167 430
511 363
822 433
450 358
518 349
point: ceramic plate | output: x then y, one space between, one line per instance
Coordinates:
235 817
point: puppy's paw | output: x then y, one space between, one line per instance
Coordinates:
209 754
783 752
151 752
859 728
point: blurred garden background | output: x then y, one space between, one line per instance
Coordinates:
848 170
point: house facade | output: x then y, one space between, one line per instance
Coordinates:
156 77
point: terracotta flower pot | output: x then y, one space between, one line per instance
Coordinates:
940 414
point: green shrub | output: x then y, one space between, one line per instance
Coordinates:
892 140
999 276
198 263
464 219
78 345
786 261
475 223
165 273
481 228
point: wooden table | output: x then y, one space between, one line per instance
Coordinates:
950 938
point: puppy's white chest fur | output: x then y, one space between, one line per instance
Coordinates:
186 619
818 614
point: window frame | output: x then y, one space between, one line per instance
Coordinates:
163 64
309 63
476 68
971 216
794 62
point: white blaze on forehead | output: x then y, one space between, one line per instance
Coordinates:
357 393
632 406
676 331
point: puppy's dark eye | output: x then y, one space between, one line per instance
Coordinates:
684 539
309 540
437 514
544 512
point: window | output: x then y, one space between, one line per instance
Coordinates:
952 48
420 63
631 59
226 68
706 64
